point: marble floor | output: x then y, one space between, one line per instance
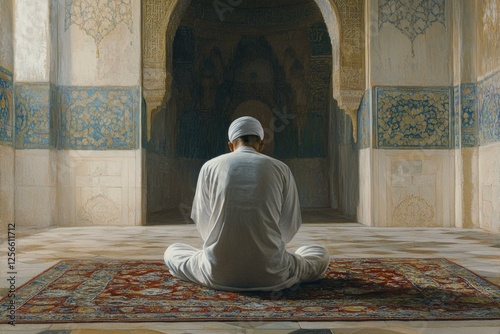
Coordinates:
37 250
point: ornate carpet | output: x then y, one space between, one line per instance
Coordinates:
353 289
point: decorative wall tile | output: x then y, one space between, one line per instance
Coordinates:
489 109
350 14
364 122
54 116
469 117
414 211
97 18
99 118
6 107
99 210
411 17
408 117
32 106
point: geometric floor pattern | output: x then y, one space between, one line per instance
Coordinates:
38 250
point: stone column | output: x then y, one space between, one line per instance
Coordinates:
101 162
410 73
488 102
6 115
35 155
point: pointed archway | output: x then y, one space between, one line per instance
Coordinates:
162 23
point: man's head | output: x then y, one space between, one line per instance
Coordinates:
246 131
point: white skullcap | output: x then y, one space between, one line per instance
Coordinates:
245 126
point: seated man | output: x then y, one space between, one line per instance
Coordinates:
246 208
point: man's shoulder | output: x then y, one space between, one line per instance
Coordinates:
275 161
215 161
221 159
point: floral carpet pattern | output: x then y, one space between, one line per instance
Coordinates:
353 289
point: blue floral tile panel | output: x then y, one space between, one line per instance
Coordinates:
32 105
99 118
468 102
489 109
6 107
413 117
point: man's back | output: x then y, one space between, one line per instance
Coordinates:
246 208
246 230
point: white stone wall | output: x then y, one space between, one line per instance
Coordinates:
488 32
100 188
488 64
35 188
469 183
54 40
6 150
6 185
458 186
467 50
413 188
489 183
6 33
366 191
95 52
35 170
32 41
391 58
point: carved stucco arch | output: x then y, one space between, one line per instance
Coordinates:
345 23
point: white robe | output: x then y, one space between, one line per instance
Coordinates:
246 208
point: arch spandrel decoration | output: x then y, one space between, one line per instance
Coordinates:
345 23
160 20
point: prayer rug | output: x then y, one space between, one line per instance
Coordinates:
353 289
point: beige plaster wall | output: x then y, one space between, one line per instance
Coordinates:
458 186
464 41
489 183
464 71
488 60
35 188
488 35
413 188
467 50
100 188
364 209
6 33
54 41
87 59
409 187
392 62
469 182
32 41
6 186
34 170
6 151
